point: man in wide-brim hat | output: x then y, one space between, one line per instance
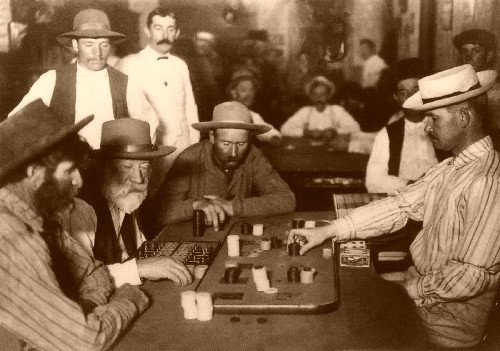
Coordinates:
124 159
456 254
90 85
50 287
224 176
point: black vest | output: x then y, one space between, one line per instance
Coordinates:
396 132
64 95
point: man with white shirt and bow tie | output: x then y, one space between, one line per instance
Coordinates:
164 79
89 86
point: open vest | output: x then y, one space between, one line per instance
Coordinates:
396 132
64 96
107 247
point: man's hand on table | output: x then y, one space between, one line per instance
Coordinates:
156 268
311 237
215 208
132 294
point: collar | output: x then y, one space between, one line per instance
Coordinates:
84 72
473 152
152 54
16 199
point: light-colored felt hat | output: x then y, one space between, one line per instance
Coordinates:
231 115
90 23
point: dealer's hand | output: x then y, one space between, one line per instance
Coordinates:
311 237
156 268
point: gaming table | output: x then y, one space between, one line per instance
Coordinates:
315 170
363 311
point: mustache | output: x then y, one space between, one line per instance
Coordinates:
164 41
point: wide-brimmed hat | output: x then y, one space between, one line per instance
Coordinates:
31 131
475 36
450 87
232 115
241 75
90 23
129 138
319 80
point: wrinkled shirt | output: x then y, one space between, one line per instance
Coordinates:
457 253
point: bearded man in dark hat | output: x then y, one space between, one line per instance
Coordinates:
456 255
110 228
53 295
224 176
90 86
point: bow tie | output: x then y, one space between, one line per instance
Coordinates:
162 58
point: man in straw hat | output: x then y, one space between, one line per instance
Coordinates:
242 88
111 230
456 257
224 176
320 117
53 295
90 86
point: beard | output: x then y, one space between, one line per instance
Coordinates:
127 196
54 196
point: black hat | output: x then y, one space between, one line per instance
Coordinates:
409 68
475 36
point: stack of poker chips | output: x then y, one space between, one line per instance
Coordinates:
197 305
205 306
260 279
188 303
233 245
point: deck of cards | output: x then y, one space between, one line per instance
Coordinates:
354 254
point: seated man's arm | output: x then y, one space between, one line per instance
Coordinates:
347 123
172 203
378 179
475 265
273 195
294 126
33 306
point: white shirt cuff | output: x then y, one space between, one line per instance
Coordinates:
126 272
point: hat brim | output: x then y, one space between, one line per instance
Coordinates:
486 79
43 144
329 85
65 38
163 150
253 128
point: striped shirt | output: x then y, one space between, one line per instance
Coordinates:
457 253
32 305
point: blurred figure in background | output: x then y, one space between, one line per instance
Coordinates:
402 152
207 74
320 118
242 88
478 48
373 64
